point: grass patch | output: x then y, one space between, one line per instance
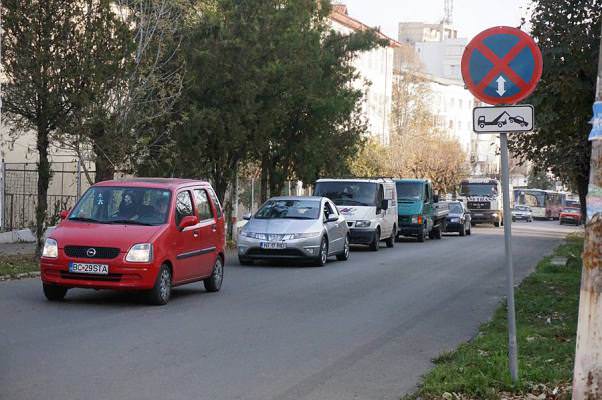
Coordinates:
546 307
13 265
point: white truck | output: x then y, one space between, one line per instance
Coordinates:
368 204
483 197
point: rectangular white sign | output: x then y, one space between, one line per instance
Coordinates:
506 119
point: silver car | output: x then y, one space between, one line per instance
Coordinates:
309 228
522 212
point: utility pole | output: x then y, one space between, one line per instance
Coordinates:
587 381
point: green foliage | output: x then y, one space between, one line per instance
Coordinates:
568 33
546 309
53 53
539 180
266 81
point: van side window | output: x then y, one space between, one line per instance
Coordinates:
218 206
203 207
427 194
183 206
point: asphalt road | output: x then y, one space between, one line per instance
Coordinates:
362 329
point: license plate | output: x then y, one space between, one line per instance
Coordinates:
478 215
85 268
272 245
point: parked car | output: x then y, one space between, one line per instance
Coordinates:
419 212
368 205
306 228
523 213
141 234
570 215
458 219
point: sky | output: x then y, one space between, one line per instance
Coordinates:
469 16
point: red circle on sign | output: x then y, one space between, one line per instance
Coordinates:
500 65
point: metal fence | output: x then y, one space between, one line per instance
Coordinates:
19 191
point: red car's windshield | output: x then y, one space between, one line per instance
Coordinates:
136 206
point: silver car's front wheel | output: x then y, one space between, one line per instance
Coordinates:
344 255
323 256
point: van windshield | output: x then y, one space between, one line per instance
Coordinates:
408 190
123 205
344 193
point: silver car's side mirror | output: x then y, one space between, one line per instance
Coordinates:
332 218
247 216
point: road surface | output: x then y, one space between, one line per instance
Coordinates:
362 329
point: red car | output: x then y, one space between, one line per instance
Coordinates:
570 215
147 234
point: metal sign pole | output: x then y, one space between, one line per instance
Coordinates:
512 346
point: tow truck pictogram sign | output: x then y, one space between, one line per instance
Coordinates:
501 65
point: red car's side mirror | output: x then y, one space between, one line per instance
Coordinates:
63 214
189 220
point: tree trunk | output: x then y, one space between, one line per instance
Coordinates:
44 174
265 170
104 169
587 380
582 188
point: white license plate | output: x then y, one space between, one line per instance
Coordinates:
85 268
272 245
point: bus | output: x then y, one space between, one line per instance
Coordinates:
543 203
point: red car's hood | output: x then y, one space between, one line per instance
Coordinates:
104 235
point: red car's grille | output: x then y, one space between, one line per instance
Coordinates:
92 252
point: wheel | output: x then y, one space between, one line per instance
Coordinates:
160 293
513 219
344 255
530 219
390 242
54 292
561 222
437 232
323 257
421 236
214 282
463 230
481 126
375 245
244 261
496 224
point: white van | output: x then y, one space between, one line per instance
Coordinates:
368 204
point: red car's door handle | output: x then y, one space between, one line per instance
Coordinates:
195 234
214 227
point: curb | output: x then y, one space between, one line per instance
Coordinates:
23 275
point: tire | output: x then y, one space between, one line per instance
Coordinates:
160 293
54 292
390 242
323 257
481 126
244 261
375 245
530 219
344 255
513 219
463 230
496 224
421 236
214 282
437 232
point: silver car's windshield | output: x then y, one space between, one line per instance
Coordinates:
289 209
122 205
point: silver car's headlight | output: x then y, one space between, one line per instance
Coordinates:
51 249
362 224
253 235
455 219
292 236
141 252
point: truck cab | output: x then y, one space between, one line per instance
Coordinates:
419 213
